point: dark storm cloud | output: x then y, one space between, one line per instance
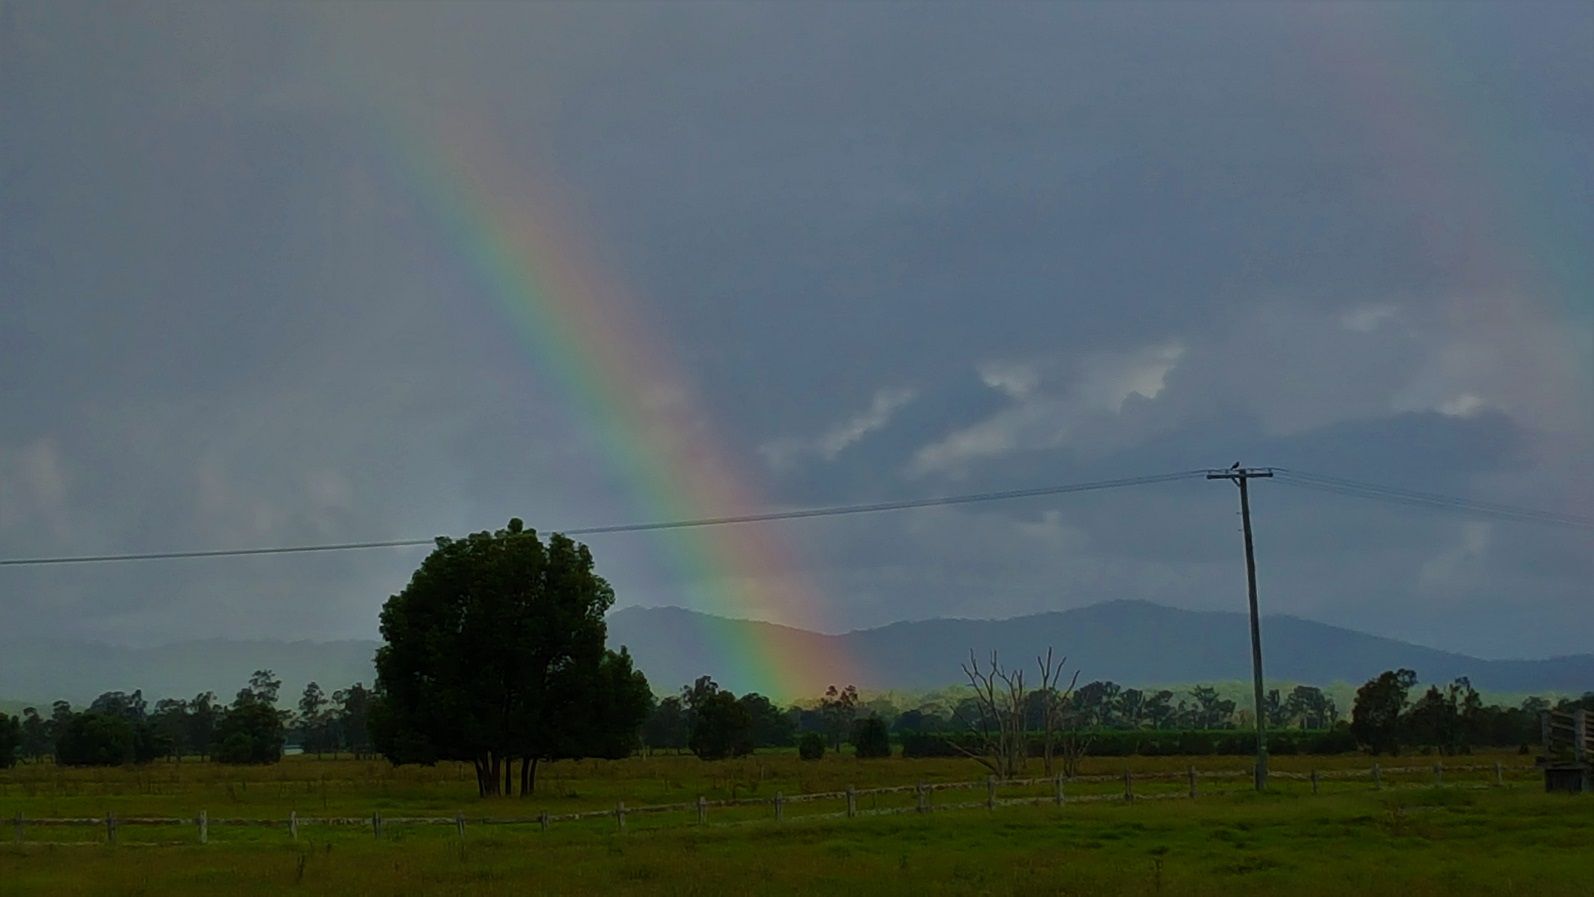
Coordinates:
897 251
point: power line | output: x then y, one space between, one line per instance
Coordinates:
1297 478
796 514
1430 500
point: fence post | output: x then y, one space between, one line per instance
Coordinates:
542 820
18 823
702 810
110 827
1193 789
1499 774
1057 790
852 802
1129 786
204 827
990 792
459 825
1314 781
922 802
1439 773
780 806
1378 777
293 824
376 823
619 814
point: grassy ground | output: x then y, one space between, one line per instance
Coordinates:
1411 841
1411 844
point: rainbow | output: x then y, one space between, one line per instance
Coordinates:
586 335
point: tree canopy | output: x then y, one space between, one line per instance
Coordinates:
495 652
1375 718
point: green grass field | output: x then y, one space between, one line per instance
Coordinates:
1409 840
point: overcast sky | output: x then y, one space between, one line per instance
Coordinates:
885 252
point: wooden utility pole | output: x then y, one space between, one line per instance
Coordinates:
1240 476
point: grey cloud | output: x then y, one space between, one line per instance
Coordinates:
783 453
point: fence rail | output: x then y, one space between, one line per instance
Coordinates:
1058 795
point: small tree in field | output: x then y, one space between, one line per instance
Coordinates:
811 747
870 739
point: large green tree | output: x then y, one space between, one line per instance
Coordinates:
495 653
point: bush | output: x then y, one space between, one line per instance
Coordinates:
929 744
811 747
870 740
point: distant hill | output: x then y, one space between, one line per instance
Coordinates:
1130 642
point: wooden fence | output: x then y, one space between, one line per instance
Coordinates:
1187 785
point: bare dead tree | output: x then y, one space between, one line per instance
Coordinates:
1058 730
995 736
997 728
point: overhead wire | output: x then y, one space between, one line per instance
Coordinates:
1430 500
1296 478
792 514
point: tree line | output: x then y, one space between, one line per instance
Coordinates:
1449 719
119 728
495 654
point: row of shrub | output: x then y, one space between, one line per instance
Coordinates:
1162 742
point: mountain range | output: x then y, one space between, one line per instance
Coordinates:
1130 642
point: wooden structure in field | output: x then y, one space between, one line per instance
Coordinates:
1568 759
